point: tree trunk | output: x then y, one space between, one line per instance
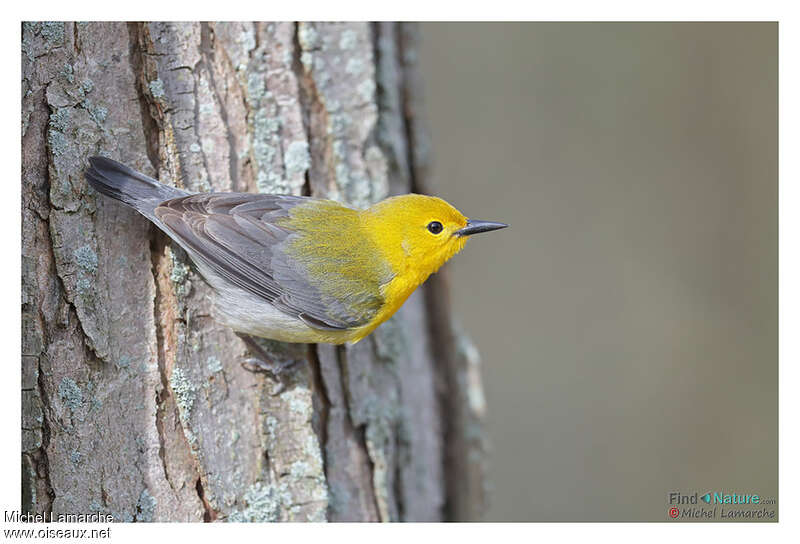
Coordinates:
134 402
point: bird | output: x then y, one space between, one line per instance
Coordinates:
298 268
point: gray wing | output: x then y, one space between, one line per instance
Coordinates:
235 234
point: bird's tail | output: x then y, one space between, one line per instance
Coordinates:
133 188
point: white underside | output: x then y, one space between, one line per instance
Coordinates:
246 313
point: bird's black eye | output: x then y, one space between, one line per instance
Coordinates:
435 227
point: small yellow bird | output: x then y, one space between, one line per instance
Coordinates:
299 269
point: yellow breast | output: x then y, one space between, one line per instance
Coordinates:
395 294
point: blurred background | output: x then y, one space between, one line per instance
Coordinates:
628 318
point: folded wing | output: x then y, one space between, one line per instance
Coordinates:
246 239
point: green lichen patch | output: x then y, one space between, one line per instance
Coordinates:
297 159
59 119
57 142
70 393
179 271
67 72
156 88
214 365
301 469
185 393
180 275
270 426
146 506
53 32
98 114
38 38
86 259
348 40
299 402
263 503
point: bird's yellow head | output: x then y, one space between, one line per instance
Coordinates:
419 233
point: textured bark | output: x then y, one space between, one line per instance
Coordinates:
133 399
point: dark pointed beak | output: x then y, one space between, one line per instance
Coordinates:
474 227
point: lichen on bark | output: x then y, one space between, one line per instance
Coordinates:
134 399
